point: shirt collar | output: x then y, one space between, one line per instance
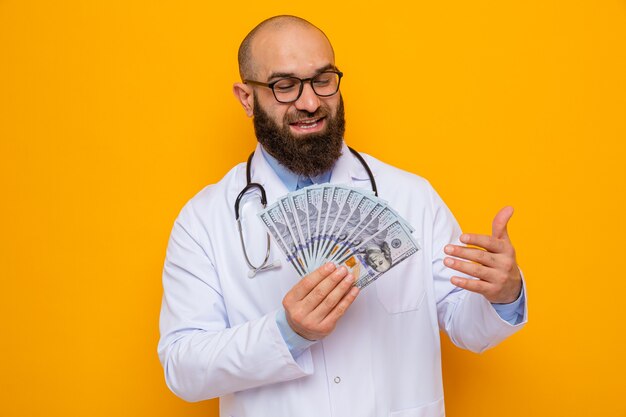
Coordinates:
289 178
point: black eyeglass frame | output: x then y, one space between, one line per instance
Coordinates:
302 81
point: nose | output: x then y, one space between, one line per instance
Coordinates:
308 100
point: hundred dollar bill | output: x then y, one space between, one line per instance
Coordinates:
379 253
270 225
406 224
324 203
367 226
286 208
300 206
380 221
281 226
346 213
386 204
313 200
337 200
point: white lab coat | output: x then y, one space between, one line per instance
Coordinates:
219 336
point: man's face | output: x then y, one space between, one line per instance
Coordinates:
306 135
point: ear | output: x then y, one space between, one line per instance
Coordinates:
244 94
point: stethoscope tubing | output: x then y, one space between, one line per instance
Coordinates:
252 185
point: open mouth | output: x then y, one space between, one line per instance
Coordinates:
308 125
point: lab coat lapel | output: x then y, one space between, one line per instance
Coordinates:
342 171
263 173
348 170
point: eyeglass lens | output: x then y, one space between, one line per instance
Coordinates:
289 89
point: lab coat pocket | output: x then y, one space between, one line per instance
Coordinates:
434 409
402 288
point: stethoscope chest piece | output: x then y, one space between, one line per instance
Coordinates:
265 265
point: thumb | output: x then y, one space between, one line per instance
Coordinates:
500 222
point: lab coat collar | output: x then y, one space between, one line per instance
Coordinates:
346 169
264 174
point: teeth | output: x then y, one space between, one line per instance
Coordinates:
307 124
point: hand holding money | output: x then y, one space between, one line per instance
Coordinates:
315 304
493 262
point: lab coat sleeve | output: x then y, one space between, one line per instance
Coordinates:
468 318
203 356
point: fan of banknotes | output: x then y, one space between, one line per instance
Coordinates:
345 225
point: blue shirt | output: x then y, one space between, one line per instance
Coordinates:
512 313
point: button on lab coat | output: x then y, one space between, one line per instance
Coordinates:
219 336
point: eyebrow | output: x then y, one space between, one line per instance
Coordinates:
291 74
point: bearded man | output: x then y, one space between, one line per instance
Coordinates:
276 345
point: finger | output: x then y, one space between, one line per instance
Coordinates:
321 290
472 285
476 270
341 308
472 254
499 225
333 298
310 281
489 243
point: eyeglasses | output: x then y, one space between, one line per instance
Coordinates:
288 90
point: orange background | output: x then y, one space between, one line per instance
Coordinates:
113 114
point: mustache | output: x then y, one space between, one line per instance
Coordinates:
305 115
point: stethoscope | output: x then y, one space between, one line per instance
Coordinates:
266 265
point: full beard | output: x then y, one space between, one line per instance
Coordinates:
310 154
